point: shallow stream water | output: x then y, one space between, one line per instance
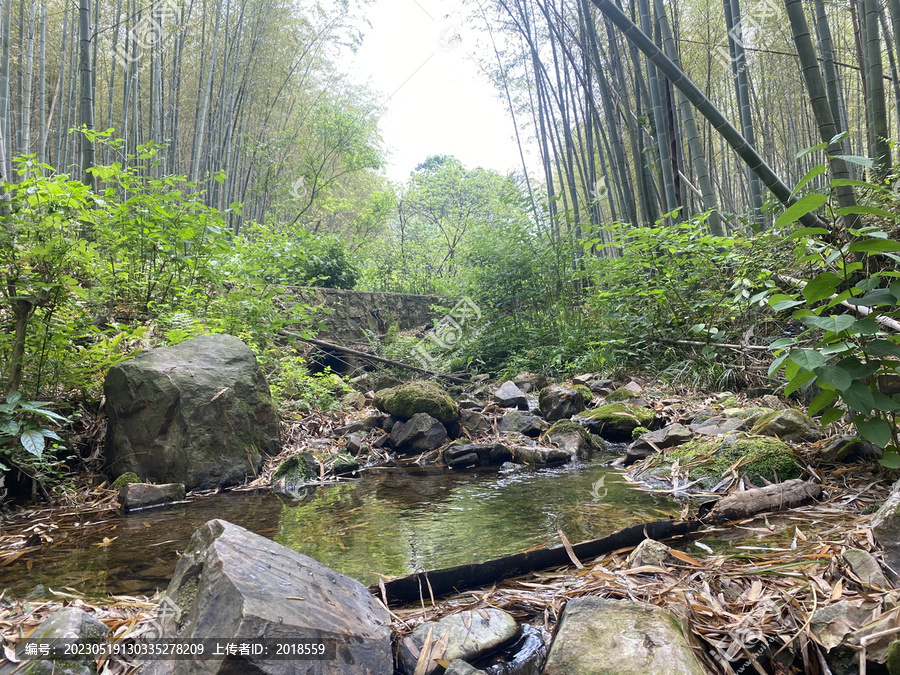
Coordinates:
391 521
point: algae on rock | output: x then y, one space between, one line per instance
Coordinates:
419 396
616 421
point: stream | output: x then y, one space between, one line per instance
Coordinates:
391 520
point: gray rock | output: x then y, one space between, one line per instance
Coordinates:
420 434
355 443
886 528
575 439
473 422
649 552
69 623
468 635
460 667
231 583
848 448
560 403
354 399
141 495
197 413
479 454
602 386
615 637
667 437
774 402
420 396
537 455
750 415
522 422
865 567
509 468
718 426
789 425
508 395
530 382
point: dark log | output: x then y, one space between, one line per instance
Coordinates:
775 497
372 357
413 587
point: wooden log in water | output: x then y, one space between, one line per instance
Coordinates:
413 587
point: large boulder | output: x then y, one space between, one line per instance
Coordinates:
615 421
420 396
231 584
560 403
421 433
647 444
466 635
197 413
616 637
142 495
522 422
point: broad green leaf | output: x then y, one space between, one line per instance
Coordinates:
9 428
884 403
867 326
823 398
782 305
856 159
777 363
875 430
800 208
817 170
835 324
880 296
857 369
800 379
858 397
864 210
808 359
849 182
806 151
837 348
890 460
782 342
831 415
883 348
14 398
33 441
822 287
834 376
806 232
874 246
49 433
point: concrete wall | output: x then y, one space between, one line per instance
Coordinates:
353 311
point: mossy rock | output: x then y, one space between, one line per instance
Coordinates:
294 472
893 658
616 421
619 395
125 479
586 393
637 432
570 427
750 415
762 459
789 425
341 462
417 397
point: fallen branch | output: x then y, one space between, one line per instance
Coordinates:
864 311
413 587
371 357
697 343
776 497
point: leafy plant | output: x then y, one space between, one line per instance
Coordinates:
850 309
25 427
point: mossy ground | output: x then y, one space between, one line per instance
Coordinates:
417 397
757 459
619 395
621 412
585 392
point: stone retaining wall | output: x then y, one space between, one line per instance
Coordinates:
356 311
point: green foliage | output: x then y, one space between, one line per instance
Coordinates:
851 357
25 428
293 387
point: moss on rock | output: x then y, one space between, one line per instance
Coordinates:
296 469
417 397
750 415
619 395
570 427
125 479
585 392
637 432
756 459
789 425
615 421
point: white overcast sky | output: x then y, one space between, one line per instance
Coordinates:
436 100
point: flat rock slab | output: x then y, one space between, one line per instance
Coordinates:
616 637
522 422
718 426
231 583
142 495
466 636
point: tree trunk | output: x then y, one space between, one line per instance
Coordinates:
87 89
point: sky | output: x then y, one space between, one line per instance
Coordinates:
436 99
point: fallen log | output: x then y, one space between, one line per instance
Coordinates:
371 357
775 497
416 587
419 585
